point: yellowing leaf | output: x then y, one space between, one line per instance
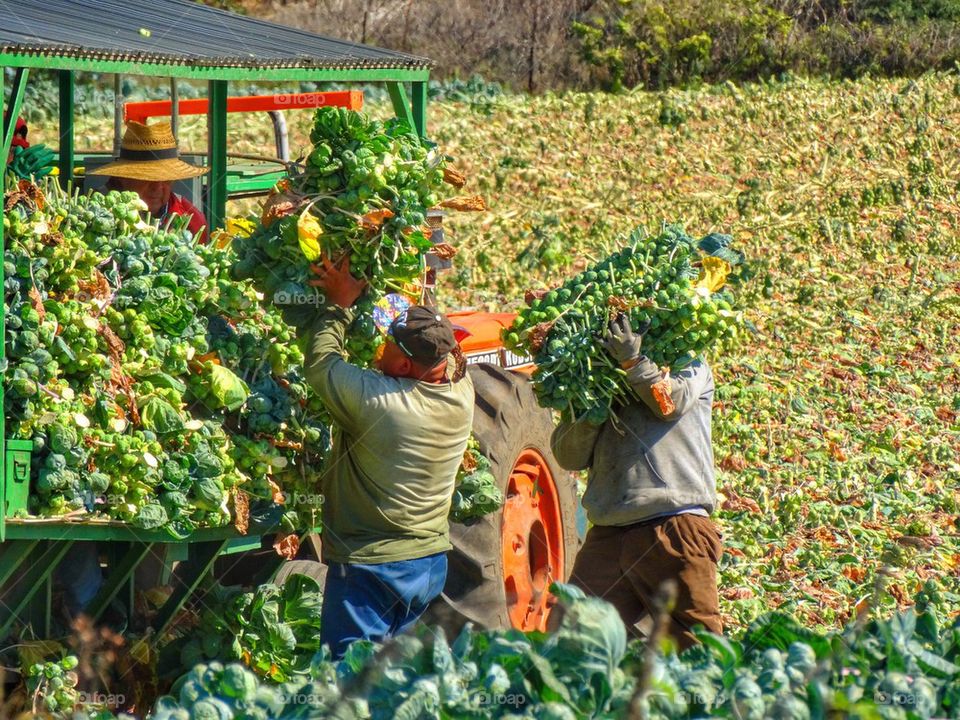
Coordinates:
661 393
713 273
375 218
140 651
240 227
308 233
38 651
234 227
158 596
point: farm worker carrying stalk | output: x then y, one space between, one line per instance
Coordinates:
650 492
149 162
398 442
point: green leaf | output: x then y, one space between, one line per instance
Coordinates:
208 494
228 389
302 599
778 630
591 637
282 638
357 656
161 417
151 517
932 664
726 653
549 687
165 380
443 662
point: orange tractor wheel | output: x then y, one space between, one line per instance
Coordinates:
501 565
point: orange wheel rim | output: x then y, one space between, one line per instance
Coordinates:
532 541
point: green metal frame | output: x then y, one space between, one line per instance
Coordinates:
419 92
212 72
9 123
216 205
30 550
16 102
416 113
107 531
30 565
401 106
67 99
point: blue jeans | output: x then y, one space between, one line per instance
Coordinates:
80 574
376 602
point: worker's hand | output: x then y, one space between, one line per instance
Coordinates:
622 342
336 282
32 162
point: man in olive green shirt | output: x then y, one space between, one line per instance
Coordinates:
399 437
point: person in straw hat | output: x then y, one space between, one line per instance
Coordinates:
149 162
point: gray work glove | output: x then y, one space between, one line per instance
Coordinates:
622 342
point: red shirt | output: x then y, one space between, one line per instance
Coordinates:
181 206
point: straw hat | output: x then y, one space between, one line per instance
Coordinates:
149 152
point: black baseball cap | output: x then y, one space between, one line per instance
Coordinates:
424 334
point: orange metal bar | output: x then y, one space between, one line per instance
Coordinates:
350 99
484 329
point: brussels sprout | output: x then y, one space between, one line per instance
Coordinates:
238 682
789 707
746 702
801 658
211 709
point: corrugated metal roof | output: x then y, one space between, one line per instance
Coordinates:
178 32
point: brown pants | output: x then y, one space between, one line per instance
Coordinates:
626 566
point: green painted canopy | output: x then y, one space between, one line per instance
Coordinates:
186 37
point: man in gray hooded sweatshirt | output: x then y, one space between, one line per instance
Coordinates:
650 492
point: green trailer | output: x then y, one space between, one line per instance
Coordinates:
174 39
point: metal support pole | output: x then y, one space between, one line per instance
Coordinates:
13 112
66 126
120 573
12 555
9 127
280 135
41 564
117 115
419 92
3 333
401 106
202 557
175 109
216 200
